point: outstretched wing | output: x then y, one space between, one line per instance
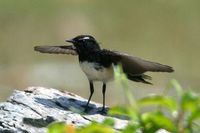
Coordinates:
56 49
136 66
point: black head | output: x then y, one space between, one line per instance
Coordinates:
84 43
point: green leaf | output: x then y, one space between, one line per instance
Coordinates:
109 122
156 120
96 128
131 128
118 110
194 116
174 84
190 101
158 100
120 76
124 111
57 127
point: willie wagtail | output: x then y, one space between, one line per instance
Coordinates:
98 63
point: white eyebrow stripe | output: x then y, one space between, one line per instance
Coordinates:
86 38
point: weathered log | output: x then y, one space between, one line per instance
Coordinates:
33 109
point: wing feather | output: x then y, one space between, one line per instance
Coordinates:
136 66
56 49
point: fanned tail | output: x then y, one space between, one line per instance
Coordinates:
140 78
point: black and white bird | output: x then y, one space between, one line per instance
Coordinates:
98 64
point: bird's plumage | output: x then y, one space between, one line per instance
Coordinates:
136 65
133 66
98 63
56 49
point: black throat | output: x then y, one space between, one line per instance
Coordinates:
95 56
88 50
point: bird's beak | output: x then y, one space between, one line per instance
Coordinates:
70 40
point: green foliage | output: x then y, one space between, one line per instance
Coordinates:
154 121
96 128
182 117
163 101
124 111
56 127
109 122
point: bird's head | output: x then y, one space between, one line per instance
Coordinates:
84 43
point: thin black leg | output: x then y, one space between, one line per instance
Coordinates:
91 93
104 91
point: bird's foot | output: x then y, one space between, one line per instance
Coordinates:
87 108
103 111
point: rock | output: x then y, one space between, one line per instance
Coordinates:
31 110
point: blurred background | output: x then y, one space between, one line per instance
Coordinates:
166 31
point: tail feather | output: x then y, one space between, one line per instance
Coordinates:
140 78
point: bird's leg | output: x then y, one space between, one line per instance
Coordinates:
103 91
91 93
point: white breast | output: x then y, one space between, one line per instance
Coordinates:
101 74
